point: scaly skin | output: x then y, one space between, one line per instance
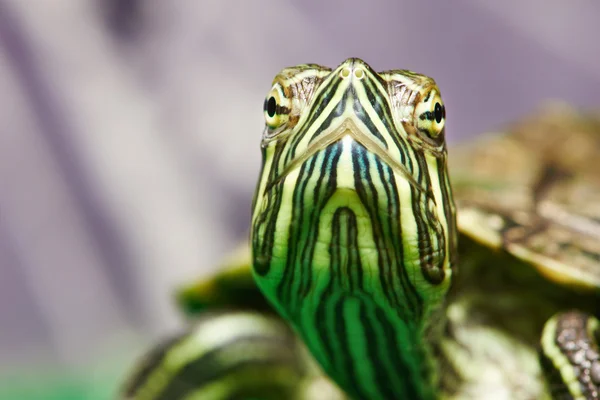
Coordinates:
353 240
229 355
353 226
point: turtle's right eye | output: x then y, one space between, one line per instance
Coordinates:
276 108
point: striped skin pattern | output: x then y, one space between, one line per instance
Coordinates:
225 355
353 227
570 356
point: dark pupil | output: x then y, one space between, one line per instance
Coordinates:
271 106
438 112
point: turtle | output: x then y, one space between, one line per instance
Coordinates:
384 263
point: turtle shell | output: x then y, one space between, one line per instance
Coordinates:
531 195
534 191
230 286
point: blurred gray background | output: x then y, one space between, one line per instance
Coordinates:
129 137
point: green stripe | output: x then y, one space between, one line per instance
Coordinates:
227 354
350 231
569 355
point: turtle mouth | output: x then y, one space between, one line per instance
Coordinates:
347 129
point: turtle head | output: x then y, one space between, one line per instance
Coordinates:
353 227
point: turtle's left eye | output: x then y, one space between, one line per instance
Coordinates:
276 108
430 115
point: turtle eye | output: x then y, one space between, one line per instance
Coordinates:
430 115
276 108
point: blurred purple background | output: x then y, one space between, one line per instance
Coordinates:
129 136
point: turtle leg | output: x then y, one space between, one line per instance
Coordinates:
225 355
570 357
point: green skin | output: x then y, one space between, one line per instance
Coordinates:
353 230
354 241
227 355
